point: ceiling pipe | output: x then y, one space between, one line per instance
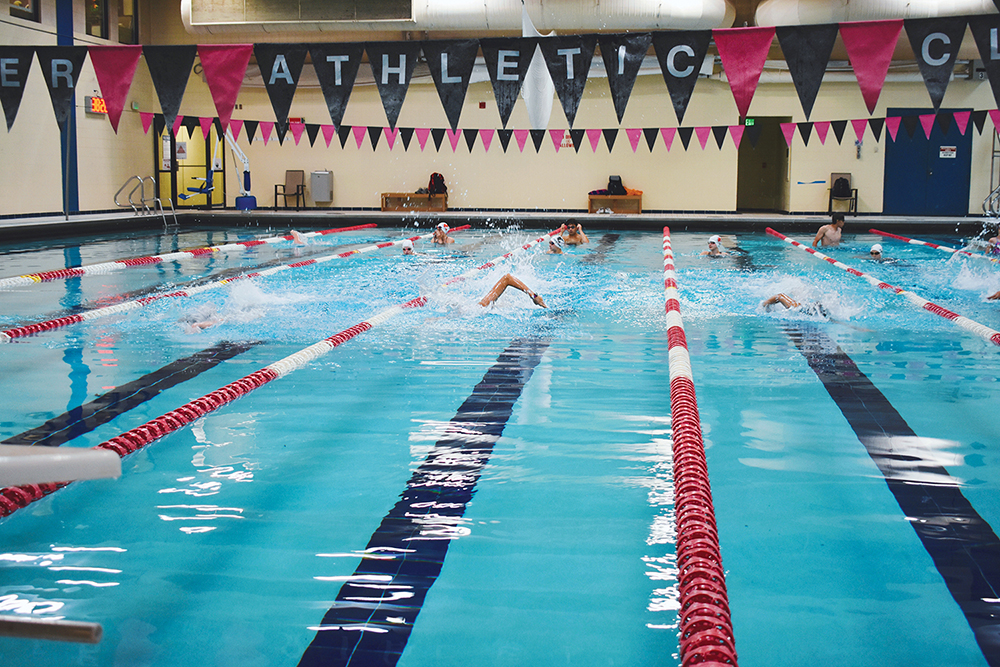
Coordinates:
813 12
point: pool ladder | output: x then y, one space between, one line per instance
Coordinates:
145 201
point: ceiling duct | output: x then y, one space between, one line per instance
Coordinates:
812 12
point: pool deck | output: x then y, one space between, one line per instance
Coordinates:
58 225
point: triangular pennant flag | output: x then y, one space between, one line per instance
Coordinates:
576 136
520 136
935 43
979 119
486 137
178 123
984 29
610 134
392 66
16 63
743 52
720 134
944 119
422 134
507 62
594 137
266 127
788 129
374 134
995 117
61 69
359 134
651 133
892 125
668 136
910 123
451 63
206 126
169 68
927 121
470 138
557 137
622 55
147 119
807 51
536 138
250 127
839 126
343 133
753 133
822 129
876 125
336 68
158 124
805 131
736 132
281 129
504 137
328 132
437 134
859 125
312 131
962 120
453 137
115 68
681 54
568 58
280 66
297 129
633 134
190 123
405 135
869 47
236 125
685 134
702 134
224 65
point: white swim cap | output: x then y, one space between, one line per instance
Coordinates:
443 226
877 248
557 241
408 244
715 239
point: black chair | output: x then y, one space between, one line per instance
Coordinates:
294 186
841 189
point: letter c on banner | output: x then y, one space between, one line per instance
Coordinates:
680 48
925 50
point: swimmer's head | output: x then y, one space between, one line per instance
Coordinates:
443 227
557 241
714 240
407 247
876 251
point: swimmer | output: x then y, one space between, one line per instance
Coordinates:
830 234
441 234
407 247
876 252
200 319
573 234
556 244
299 238
510 281
994 297
790 303
713 247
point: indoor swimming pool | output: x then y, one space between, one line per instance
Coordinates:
272 531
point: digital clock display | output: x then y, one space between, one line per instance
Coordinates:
95 105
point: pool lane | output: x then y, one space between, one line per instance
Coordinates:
964 547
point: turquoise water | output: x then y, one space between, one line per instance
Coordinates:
223 542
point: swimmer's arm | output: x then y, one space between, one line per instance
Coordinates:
510 281
783 300
819 234
994 297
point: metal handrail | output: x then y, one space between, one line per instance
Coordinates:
122 188
144 201
991 205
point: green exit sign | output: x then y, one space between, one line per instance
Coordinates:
748 122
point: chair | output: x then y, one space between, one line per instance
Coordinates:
294 186
850 194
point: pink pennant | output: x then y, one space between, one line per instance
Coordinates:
521 136
788 129
822 129
390 135
115 68
328 132
486 136
557 137
743 52
266 128
892 125
177 124
995 117
736 132
634 134
927 120
206 126
147 120
859 125
668 134
359 133
453 137
962 120
225 65
236 126
869 47
297 129
422 134
703 134
594 136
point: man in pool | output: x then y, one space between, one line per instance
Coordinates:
815 309
573 234
714 249
830 234
555 245
441 234
510 281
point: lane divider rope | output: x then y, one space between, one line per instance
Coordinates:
706 630
955 251
29 329
971 326
13 498
110 267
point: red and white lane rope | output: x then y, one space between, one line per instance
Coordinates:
125 306
969 325
13 498
118 265
706 629
955 251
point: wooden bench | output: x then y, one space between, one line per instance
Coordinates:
411 201
617 203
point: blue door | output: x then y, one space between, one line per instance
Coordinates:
927 176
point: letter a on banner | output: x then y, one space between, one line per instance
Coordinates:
336 67
681 54
807 51
169 68
936 42
61 69
392 66
280 66
743 52
15 63
225 66
985 29
451 64
622 55
568 60
869 47
115 68
507 61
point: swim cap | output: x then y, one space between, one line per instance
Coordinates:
443 226
877 248
557 241
408 244
715 239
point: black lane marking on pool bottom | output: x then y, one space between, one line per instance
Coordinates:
373 615
962 544
60 430
602 248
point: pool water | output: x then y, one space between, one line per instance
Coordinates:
229 541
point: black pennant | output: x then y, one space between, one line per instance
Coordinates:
685 134
312 130
622 55
536 138
985 29
61 70
438 135
910 123
451 63
190 123
250 128
280 66
944 119
720 134
577 137
16 62
681 54
568 60
281 129
876 124
406 133
979 118
507 62
470 138
752 133
838 129
504 137
805 131
651 133
159 124
807 51
392 66
935 42
373 135
343 132
169 68
336 68
609 137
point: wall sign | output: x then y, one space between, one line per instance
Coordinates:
948 152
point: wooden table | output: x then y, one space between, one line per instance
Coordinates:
411 201
617 203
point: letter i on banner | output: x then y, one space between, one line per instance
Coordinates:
985 30
622 55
